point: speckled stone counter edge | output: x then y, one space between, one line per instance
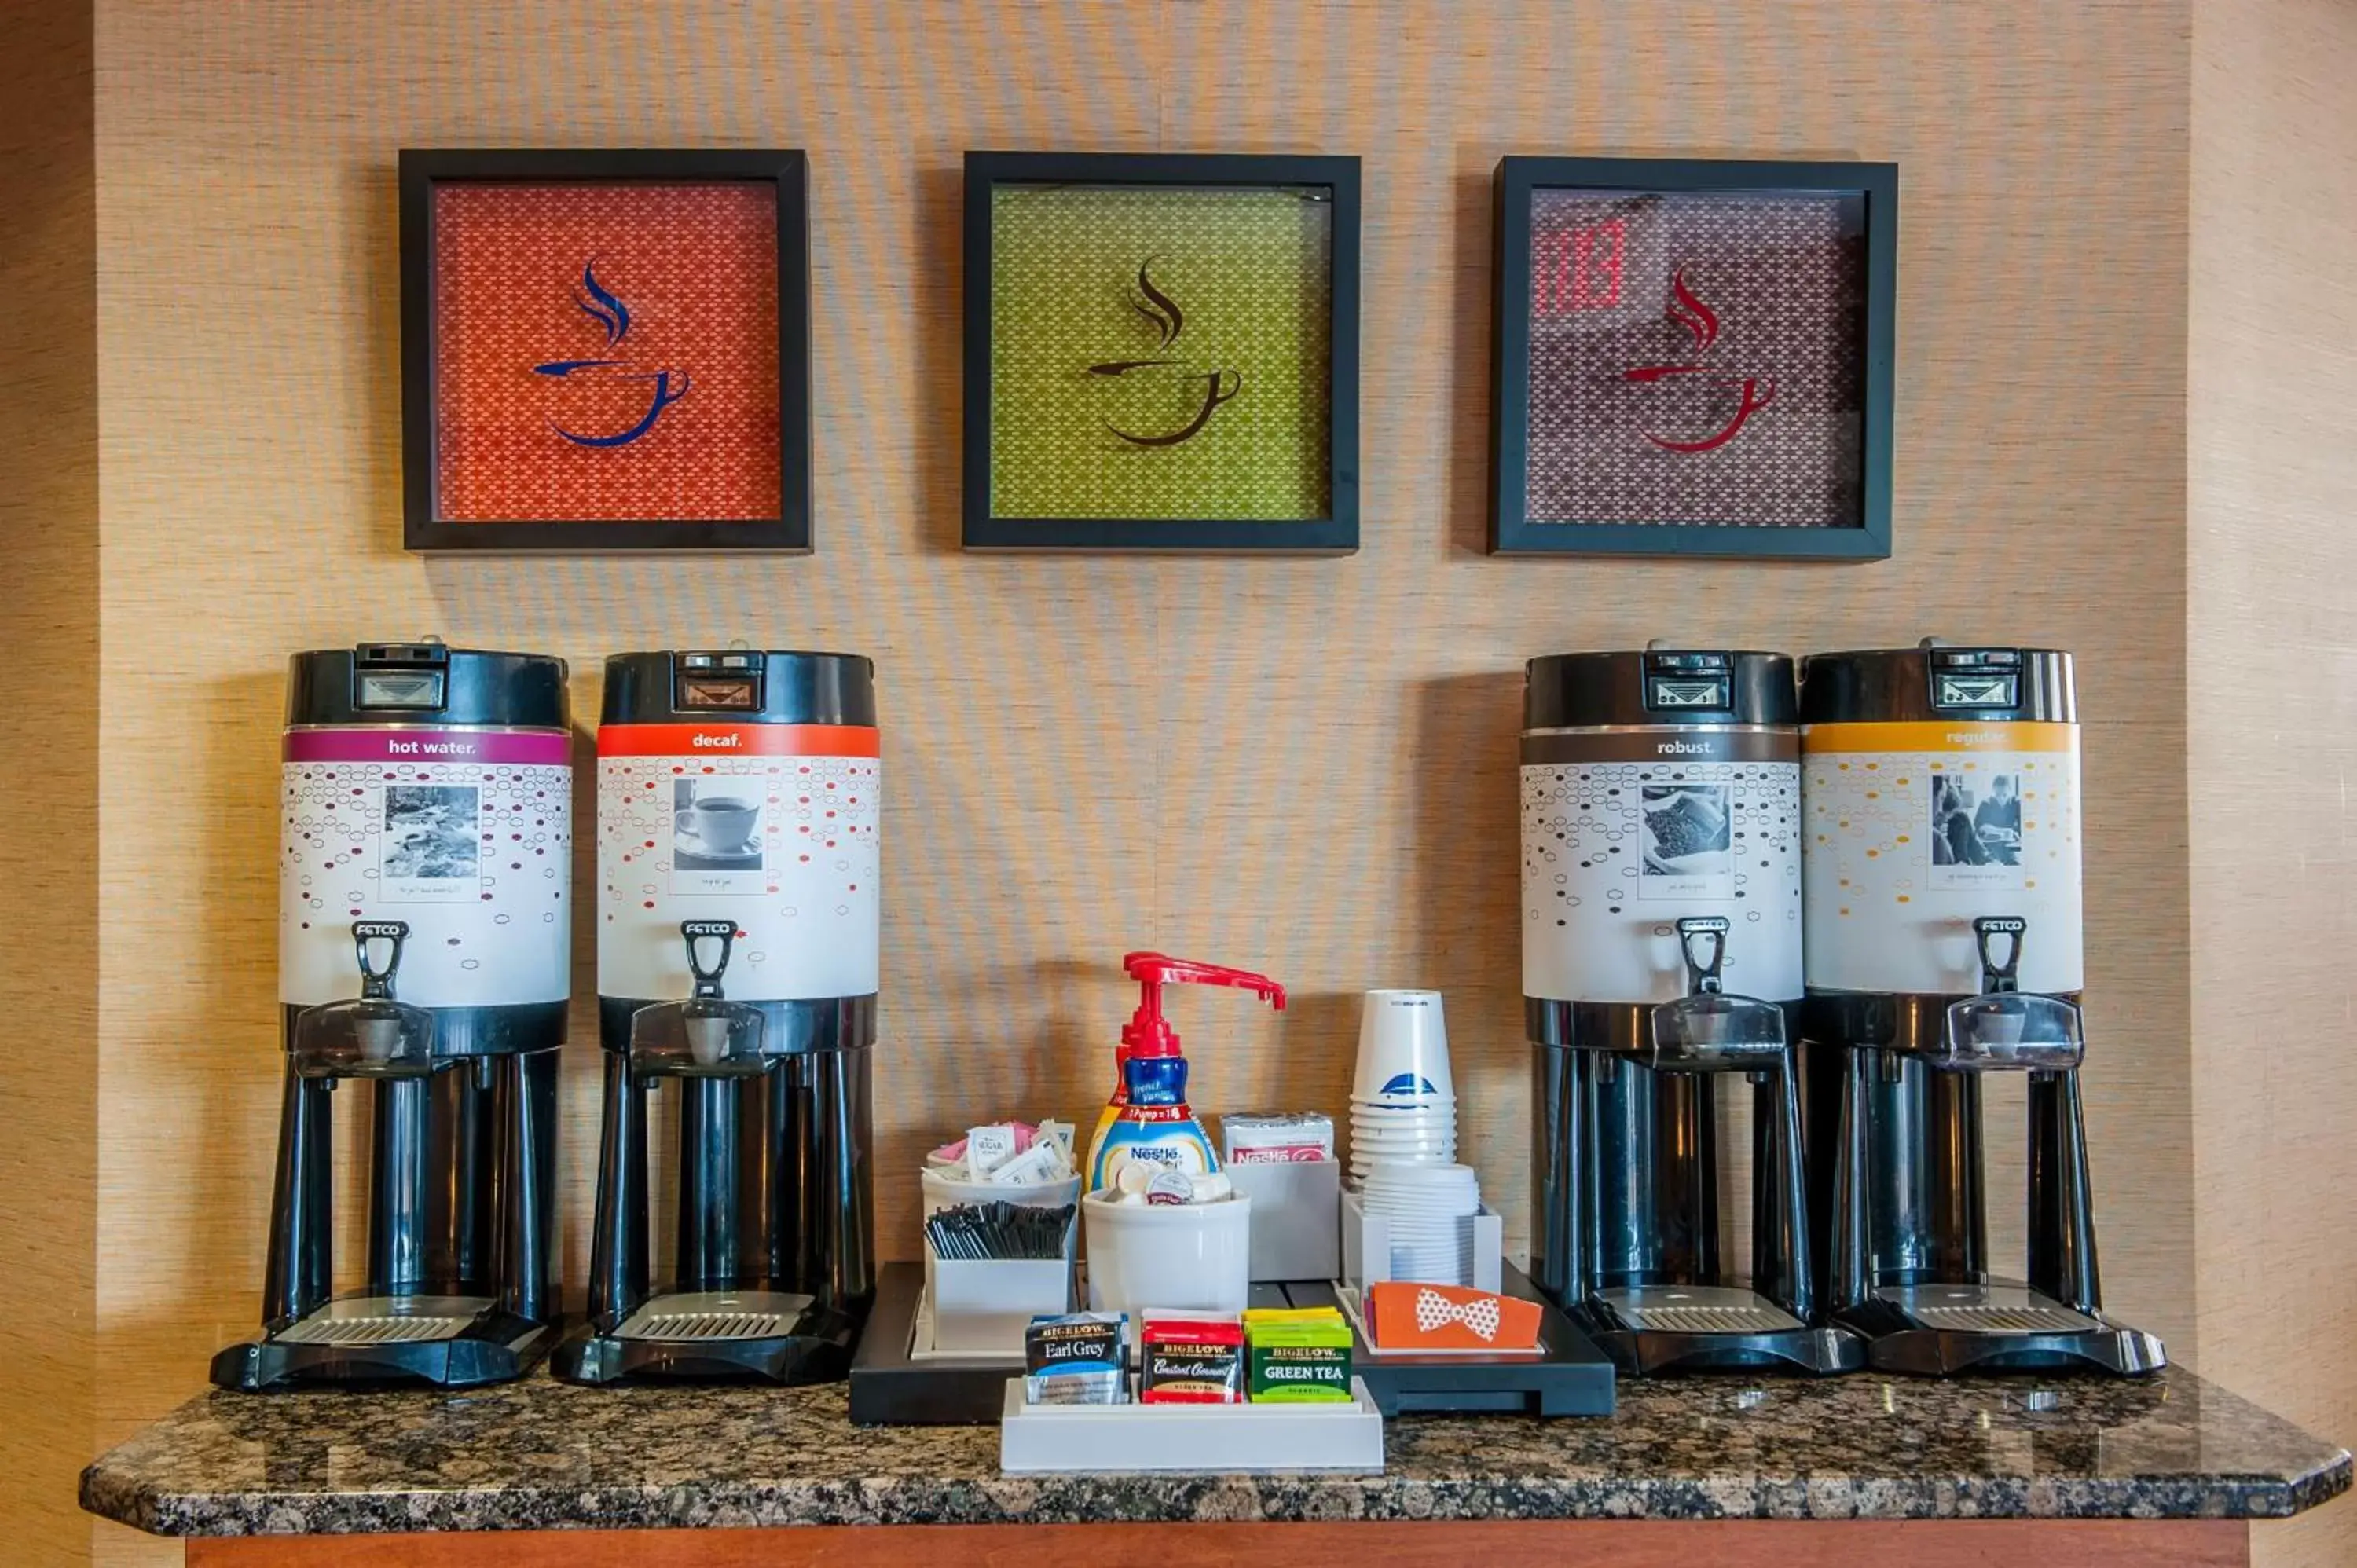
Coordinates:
1095 1499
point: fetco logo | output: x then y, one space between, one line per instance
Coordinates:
718 740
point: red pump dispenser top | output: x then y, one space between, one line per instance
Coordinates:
1147 1033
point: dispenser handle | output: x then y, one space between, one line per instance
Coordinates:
376 984
1997 978
1154 966
1703 934
2005 1027
1707 1029
1147 1033
697 932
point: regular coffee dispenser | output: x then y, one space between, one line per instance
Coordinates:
423 947
737 977
1942 909
1660 842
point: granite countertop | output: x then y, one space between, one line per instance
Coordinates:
542 1455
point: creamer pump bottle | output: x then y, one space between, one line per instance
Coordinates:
1148 1119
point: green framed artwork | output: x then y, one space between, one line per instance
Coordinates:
1161 352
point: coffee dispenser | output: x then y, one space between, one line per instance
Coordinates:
1661 800
736 964
424 949
1942 909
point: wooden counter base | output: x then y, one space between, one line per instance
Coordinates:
1626 1543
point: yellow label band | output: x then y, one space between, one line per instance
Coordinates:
1962 736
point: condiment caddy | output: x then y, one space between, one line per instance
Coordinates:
1232 1439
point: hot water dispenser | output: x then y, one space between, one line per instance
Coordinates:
424 945
737 963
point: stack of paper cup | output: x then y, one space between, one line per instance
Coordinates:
1404 1103
1429 1209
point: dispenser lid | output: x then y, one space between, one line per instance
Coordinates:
1659 686
1935 682
772 686
426 682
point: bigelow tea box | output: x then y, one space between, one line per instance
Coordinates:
1301 1357
1300 1374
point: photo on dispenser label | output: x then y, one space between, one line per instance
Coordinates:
432 843
1688 841
1975 831
715 836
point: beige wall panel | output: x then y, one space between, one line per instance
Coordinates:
50 825
1301 765
2272 678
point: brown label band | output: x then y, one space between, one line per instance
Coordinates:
1666 746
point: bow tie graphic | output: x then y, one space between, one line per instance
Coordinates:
1433 1309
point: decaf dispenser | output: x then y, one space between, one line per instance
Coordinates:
738 807
1661 801
425 946
1942 908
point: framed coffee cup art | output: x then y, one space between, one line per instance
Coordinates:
1692 358
605 350
1161 352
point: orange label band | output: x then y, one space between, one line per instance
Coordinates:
1962 736
726 739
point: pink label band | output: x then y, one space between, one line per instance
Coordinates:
466 746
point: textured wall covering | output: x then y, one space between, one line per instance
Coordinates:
1302 765
50 829
2273 693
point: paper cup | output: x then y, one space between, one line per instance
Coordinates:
1403 1049
1363 1163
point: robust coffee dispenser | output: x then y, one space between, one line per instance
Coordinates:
1942 909
737 963
1662 950
424 944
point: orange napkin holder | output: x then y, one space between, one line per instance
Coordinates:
1409 1315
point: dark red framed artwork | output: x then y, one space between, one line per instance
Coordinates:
1694 357
605 350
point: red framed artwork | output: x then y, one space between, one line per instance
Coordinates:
605 350
1694 357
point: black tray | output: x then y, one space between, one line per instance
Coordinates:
1572 1378
888 1388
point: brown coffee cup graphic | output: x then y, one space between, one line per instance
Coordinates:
720 825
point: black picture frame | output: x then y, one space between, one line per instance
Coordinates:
1336 533
1519 179
423 529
